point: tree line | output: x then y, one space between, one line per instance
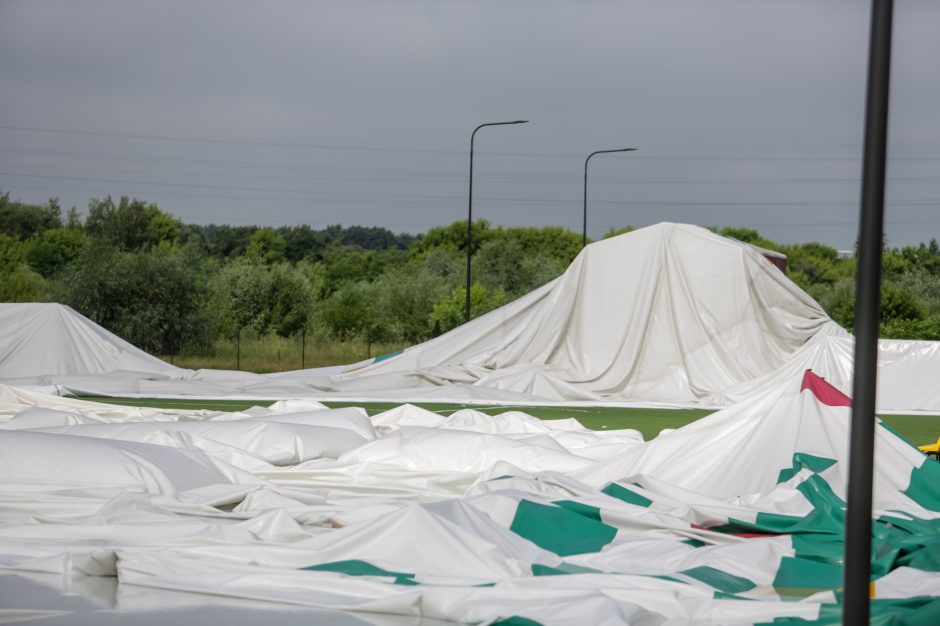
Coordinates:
173 288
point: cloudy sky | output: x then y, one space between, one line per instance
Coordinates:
744 112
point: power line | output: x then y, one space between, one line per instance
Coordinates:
394 199
228 142
316 146
520 179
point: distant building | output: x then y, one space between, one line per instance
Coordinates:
777 259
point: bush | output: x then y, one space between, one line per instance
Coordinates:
152 299
449 312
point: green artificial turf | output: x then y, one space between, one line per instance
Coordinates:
647 421
918 429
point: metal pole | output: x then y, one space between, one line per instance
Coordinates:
857 576
584 221
470 207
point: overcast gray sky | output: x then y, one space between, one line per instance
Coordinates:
744 112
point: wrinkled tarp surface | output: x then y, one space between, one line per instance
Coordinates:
668 315
40 339
736 518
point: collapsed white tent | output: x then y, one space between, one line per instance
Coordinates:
669 315
51 347
473 518
39 339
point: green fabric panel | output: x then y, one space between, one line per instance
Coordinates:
924 486
388 355
721 595
515 620
695 543
827 515
669 578
926 558
886 544
562 570
803 577
824 548
590 512
722 581
559 530
627 495
914 526
926 615
809 461
362 568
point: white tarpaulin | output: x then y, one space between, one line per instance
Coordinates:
734 519
668 315
38 339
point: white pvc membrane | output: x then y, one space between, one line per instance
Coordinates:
295 512
471 518
670 315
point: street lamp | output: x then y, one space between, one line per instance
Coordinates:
856 608
470 206
584 223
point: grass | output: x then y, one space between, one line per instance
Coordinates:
918 429
266 354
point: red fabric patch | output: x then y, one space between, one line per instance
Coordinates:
824 392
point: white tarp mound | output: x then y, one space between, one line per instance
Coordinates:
670 313
734 519
39 339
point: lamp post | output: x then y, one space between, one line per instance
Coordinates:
470 206
857 569
584 222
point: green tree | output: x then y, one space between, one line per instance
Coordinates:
353 311
613 232
266 246
131 224
238 300
505 264
449 312
27 220
221 241
406 296
302 242
153 299
18 282
55 248
454 237
289 300
22 285
350 265
897 304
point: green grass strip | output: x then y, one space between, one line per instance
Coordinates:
917 428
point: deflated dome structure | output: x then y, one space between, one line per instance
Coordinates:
411 516
39 339
671 313
472 518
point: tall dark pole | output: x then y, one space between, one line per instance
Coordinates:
584 222
867 309
470 206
